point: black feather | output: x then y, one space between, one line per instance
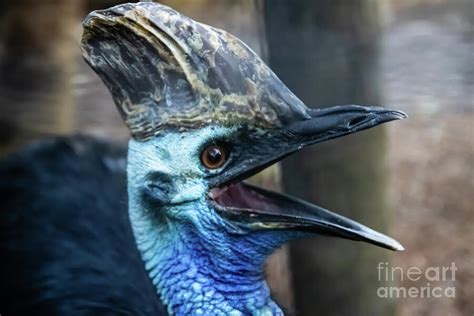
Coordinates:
66 243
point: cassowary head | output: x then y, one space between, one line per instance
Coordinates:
206 113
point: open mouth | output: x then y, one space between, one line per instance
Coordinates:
241 196
241 203
257 208
253 207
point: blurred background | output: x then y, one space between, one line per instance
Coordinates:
412 179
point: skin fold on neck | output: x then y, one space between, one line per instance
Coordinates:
195 275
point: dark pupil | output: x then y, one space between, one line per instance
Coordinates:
214 155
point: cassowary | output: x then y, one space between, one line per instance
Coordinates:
205 113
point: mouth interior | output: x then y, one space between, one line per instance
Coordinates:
238 196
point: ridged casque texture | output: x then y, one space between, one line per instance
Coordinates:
165 70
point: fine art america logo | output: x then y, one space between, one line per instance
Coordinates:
429 282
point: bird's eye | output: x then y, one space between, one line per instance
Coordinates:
214 156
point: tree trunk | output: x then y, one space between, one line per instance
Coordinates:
327 52
37 56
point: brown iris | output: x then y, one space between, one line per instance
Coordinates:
214 156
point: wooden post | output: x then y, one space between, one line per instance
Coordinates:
327 52
38 55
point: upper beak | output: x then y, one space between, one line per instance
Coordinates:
255 207
336 121
319 125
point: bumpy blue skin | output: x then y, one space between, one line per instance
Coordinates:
200 263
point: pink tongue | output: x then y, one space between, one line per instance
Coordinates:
236 196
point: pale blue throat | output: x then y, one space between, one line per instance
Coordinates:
198 262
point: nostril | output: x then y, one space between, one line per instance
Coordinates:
357 120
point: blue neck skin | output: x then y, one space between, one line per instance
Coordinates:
204 275
199 263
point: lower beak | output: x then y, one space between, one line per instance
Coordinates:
257 208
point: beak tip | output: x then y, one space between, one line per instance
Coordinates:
379 239
398 115
392 244
398 247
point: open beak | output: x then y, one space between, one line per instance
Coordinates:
257 208
143 53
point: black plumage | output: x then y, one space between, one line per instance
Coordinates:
65 239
